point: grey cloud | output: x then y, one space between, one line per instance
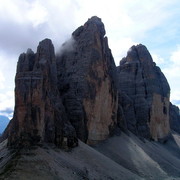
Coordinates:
16 38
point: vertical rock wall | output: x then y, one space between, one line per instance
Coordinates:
39 115
81 94
74 97
86 77
146 90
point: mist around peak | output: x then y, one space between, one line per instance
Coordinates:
67 46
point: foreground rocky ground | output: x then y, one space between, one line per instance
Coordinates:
120 157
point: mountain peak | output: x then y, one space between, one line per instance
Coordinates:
138 53
76 95
92 26
80 98
95 19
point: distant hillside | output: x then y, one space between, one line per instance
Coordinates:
3 123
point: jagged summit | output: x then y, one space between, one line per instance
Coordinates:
39 115
96 21
60 99
85 77
137 53
80 97
45 48
93 25
29 51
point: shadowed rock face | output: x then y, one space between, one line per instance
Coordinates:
145 98
39 115
76 94
86 79
174 118
74 97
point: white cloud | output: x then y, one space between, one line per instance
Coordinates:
158 59
173 75
7 70
25 23
67 46
30 21
6 102
12 10
1 80
37 13
120 47
7 73
175 57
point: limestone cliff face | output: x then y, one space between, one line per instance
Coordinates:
74 95
146 90
81 94
174 118
39 115
86 77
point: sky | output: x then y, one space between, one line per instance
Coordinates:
23 23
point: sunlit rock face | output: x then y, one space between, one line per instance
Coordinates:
79 93
86 79
146 90
39 115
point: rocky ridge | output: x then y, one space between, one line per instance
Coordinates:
80 94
